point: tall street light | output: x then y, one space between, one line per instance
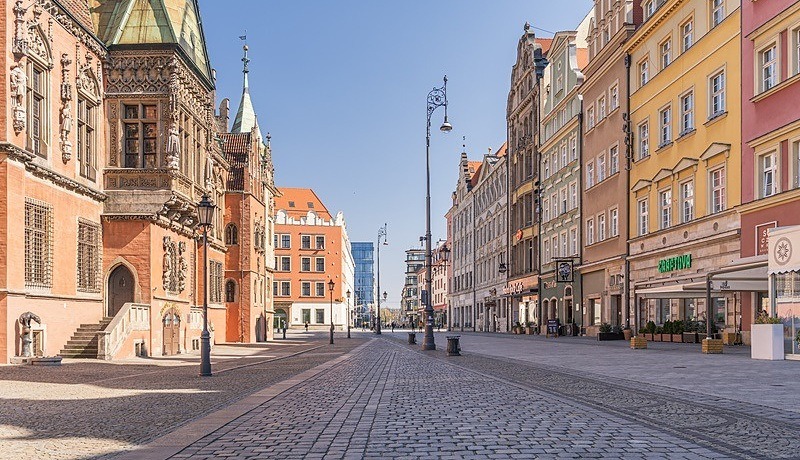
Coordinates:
444 255
348 313
436 98
331 284
205 214
381 234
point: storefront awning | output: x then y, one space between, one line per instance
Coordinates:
675 291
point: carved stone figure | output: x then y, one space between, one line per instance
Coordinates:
173 148
184 266
20 44
209 175
66 128
19 82
25 332
168 267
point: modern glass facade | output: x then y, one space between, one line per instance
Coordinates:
364 257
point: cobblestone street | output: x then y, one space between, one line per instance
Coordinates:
388 399
506 397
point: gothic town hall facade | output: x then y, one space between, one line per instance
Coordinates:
110 135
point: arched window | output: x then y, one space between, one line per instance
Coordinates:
231 235
230 291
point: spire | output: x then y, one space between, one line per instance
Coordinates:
245 117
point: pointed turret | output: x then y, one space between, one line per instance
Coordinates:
245 117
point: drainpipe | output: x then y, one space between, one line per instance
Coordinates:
628 157
580 212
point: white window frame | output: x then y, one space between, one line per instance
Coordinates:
642 213
717 12
644 72
601 167
644 140
687 112
613 222
716 92
573 241
601 227
590 175
665 208
768 173
590 231
613 160
573 148
665 126
768 66
687 192
573 195
590 116
613 97
601 108
665 53
717 199
687 34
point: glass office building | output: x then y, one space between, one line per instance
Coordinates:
364 257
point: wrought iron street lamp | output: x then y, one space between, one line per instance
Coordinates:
205 214
437 97
331 284
348 313
444 255
381 234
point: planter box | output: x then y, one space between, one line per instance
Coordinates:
657 337
649 337
731 338
677 338
690 337
627 334
610 336
639 343
529 330
712 346
766 341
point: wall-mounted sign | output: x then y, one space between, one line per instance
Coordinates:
762 237
670 264
564 271
513 288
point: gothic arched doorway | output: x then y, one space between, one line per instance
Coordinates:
172 332
120 289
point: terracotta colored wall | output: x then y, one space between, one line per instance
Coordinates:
333 261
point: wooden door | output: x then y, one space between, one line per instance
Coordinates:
120 289
172 333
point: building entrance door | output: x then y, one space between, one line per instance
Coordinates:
616 311
120 289
280 319
172 332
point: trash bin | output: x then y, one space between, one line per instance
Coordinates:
412 338
453 346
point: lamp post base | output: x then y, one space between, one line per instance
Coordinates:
428 343
331 334
205 354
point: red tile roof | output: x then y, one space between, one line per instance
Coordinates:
502 151
296 202
475 171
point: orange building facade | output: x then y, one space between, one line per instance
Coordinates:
311 249
109 138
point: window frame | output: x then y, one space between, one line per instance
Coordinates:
643 130
716 206
773 172
687 34
665 208
590 231
643 216
613 222
687 114
716 12
717 94
687 200
665 53
665 126
143 159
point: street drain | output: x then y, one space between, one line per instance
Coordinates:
679 367
777 384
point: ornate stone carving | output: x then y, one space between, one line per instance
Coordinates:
172 159
175 266
20 44
113 133
209 174
25 332
86 82
66 109
19 81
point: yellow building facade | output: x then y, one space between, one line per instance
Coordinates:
685 112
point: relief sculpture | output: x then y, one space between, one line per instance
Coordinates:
176 268
66 110
19 81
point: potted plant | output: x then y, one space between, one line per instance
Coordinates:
766 338
627 333
608 332
529 328
516 327
649 331
677 331
657 334
667 333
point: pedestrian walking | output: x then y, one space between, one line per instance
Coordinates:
306 326
392 326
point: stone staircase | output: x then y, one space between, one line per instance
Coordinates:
83 343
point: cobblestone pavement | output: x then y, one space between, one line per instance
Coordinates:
89 408
391 400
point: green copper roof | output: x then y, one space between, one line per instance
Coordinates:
129 22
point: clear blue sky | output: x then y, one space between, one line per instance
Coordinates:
342 85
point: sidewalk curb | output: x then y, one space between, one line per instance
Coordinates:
174 442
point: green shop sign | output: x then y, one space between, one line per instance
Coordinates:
675 263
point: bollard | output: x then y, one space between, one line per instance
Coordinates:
412 338
453 347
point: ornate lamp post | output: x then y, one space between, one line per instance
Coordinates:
348 313
381 233
331 284
436 98
444 254
205 214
